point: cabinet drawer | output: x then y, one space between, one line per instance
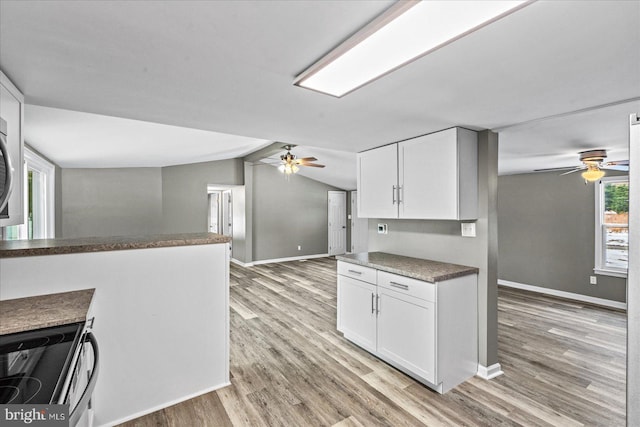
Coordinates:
356 271
407 285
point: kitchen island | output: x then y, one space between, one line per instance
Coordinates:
161 305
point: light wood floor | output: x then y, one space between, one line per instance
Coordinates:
563 362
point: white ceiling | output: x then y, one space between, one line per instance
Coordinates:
228 67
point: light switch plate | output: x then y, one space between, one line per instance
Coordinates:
382 229
468 229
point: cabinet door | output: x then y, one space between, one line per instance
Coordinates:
356 312
377 183
406 332
428 170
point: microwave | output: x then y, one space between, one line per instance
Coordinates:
6 171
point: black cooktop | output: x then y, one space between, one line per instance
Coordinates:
34 364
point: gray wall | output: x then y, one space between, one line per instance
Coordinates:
288 213
441 241
184 192
111 202
547 226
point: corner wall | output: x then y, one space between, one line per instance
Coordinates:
184 192
547 226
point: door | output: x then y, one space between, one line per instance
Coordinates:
406 332
378 182
227 217
356 312
337 222
359 227
214 212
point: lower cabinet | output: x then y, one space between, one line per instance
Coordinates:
427 330
357 315
406 332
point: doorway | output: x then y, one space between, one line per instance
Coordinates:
337 215
220 217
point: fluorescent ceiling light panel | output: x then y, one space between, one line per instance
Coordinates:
405 32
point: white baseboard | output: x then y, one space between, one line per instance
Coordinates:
562 294
165 405
269 261
240 263
489 372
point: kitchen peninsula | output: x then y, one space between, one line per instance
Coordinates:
161 306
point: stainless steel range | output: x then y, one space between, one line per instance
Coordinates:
50 366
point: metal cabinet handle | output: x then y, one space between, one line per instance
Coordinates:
400 193
399 285
393 194
373 310
378 305
355 271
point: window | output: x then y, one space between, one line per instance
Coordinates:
612 226
39 200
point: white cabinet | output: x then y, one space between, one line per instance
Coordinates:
400 339
427 330
434 176
11 110
378 183
357 318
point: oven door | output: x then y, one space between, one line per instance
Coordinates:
6 171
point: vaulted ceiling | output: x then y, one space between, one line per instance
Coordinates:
554 78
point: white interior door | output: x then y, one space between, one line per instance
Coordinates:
227 217
214 212
359 227
337 222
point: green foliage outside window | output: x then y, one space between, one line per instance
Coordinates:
616 197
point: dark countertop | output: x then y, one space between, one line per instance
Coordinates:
416 268
23 248
25 314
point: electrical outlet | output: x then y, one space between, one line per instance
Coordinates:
468 229
593 280
299 247
382 229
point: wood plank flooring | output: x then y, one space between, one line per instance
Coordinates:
563 363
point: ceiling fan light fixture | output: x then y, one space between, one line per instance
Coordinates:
592 174
288 168
405 32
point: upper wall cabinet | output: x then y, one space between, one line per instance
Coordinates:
433 176
12 111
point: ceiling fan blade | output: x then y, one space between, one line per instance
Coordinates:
618 162
313 165
555 169
572 171
624 168
307 159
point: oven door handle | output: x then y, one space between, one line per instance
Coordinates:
83 403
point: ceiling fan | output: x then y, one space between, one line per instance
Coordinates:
289 162
592 164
